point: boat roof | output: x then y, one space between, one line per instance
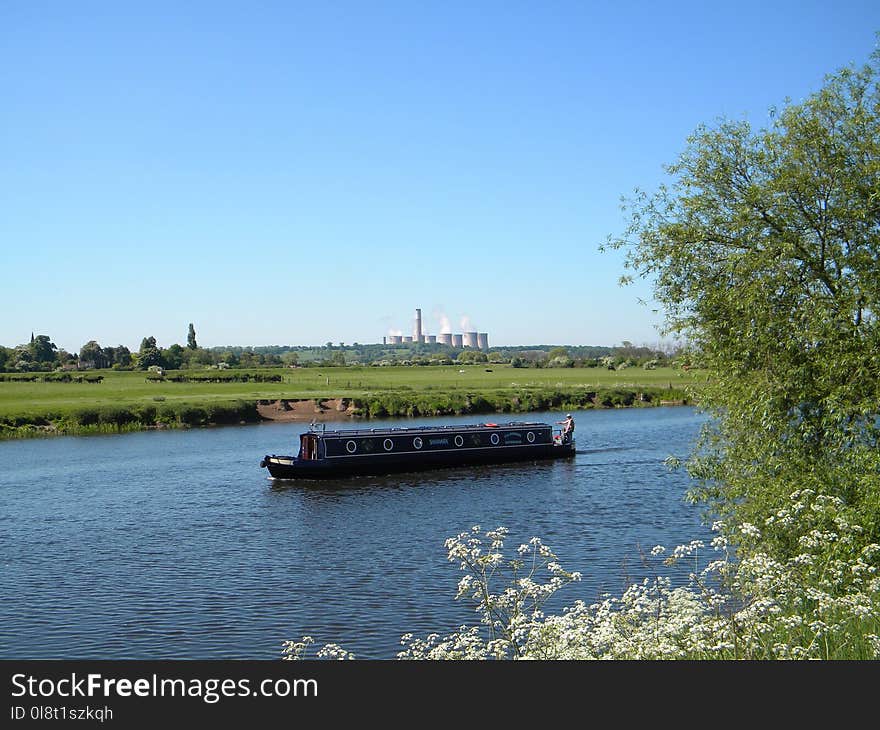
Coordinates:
433 430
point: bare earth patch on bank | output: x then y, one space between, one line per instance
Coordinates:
308 410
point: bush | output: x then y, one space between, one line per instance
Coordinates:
617 397
147 415
87 417
192 415
115 415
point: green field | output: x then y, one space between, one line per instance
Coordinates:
128 399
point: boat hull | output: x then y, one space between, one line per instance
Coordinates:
292 467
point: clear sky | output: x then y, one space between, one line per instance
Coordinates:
303 172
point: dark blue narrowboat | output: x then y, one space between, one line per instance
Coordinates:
351 452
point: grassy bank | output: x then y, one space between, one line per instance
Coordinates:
127 401
415 404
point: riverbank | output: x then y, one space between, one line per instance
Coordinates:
120 417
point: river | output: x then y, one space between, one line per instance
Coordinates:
175 545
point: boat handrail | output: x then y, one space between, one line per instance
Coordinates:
433 429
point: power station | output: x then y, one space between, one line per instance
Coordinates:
473 340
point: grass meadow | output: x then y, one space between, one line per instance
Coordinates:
128 399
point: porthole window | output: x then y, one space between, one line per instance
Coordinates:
417 442
459 441
495 438
388 444
530 437
351 447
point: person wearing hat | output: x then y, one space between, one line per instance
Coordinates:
567 428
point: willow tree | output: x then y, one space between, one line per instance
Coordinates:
764 251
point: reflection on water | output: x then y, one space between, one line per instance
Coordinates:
176 545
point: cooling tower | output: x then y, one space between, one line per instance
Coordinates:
407 339
470 339
456 341
395 339
431 339
445 338
483 340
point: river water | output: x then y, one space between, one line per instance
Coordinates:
174 544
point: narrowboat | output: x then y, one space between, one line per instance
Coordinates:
352 452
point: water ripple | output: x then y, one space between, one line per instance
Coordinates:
175 545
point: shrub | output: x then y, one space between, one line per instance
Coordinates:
115 415
192 415
87 416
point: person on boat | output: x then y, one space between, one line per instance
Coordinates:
567 428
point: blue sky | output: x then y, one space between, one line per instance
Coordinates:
293 173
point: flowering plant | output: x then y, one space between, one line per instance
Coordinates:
822 603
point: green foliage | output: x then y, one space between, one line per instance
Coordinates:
149 354
233 412
765 252
87 416
192 415
617 397
115 416
42 349
121 356
173 357
472 356
92 355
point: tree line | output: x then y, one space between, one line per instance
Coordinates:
42 355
